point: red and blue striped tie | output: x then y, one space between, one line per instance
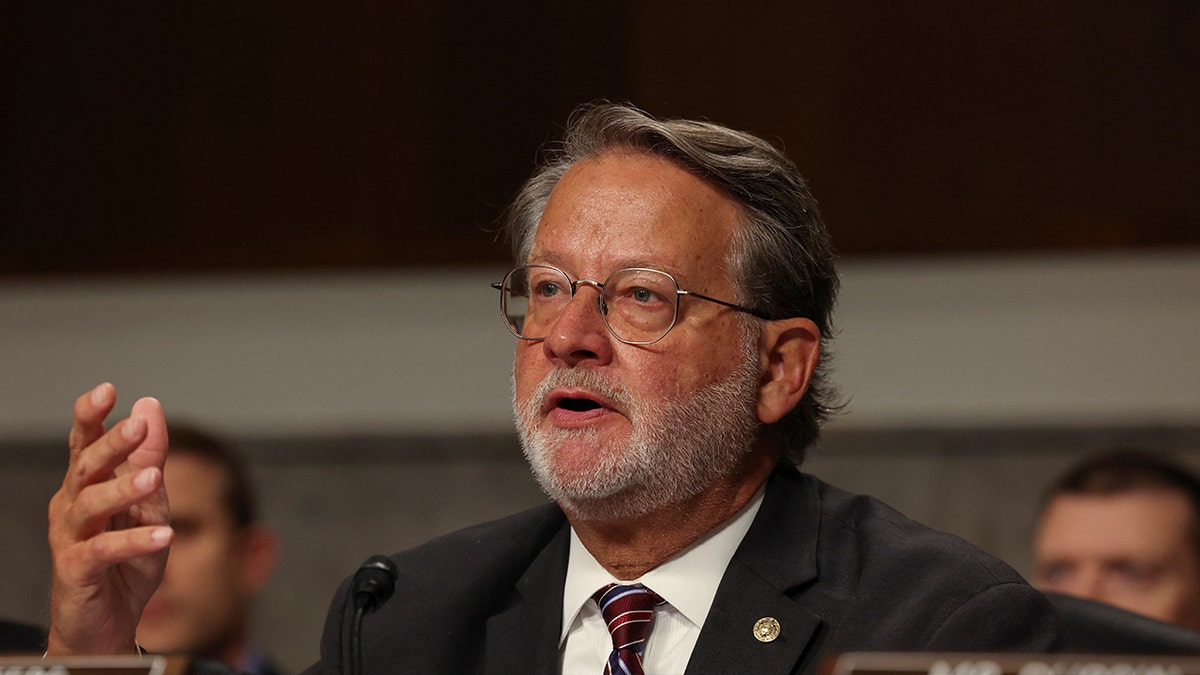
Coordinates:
629 612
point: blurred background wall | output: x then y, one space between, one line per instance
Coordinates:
279 218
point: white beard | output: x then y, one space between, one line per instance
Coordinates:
678 448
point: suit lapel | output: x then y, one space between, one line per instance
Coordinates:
523 636
775 559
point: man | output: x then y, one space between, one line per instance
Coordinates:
1123 529
672 297
220 559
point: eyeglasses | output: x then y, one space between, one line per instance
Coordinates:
639 305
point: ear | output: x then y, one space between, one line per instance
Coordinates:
259 557
789 350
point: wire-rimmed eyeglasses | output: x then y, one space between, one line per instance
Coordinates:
639 305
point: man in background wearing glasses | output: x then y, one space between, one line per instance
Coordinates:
671 306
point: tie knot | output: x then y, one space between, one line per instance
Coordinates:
615 599
629 613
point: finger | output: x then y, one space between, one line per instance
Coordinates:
84 563
90 411
151 454
122 545
97 462
90 513
152 451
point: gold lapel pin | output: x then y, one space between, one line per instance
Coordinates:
766 629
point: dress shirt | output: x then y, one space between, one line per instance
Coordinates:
688 582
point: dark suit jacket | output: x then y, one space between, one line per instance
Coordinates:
1095 628
839 572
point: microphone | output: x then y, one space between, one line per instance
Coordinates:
373 584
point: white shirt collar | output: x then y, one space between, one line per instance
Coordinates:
688 580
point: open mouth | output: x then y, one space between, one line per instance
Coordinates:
578 404
576 401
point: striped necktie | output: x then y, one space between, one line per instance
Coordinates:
629 613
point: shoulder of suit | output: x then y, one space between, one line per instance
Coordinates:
890 535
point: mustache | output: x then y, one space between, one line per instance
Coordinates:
583 379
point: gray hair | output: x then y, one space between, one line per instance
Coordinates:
781 259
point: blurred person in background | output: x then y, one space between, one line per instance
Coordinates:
1123 528
221 558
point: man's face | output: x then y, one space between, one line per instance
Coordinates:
1133 550
202 599
615 430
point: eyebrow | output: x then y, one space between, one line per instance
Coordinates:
543 258
550 258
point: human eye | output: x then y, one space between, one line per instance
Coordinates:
642 289
1136 573
185 529
547 288
642 306
546 284
1054 574
644 296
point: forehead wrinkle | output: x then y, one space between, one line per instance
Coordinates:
545 256
632 197
549 257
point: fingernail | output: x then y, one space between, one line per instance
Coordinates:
132 429
160 535
145 479
98 395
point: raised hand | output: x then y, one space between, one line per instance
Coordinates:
109 526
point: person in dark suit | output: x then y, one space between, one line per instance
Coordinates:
1123 528
1090 627
671 302
221 558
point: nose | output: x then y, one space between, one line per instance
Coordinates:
579 335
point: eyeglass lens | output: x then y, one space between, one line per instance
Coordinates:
639 305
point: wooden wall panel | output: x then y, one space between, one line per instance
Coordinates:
969 126
148 137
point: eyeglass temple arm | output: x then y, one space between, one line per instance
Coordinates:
740 308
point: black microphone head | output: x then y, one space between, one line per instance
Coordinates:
374 582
